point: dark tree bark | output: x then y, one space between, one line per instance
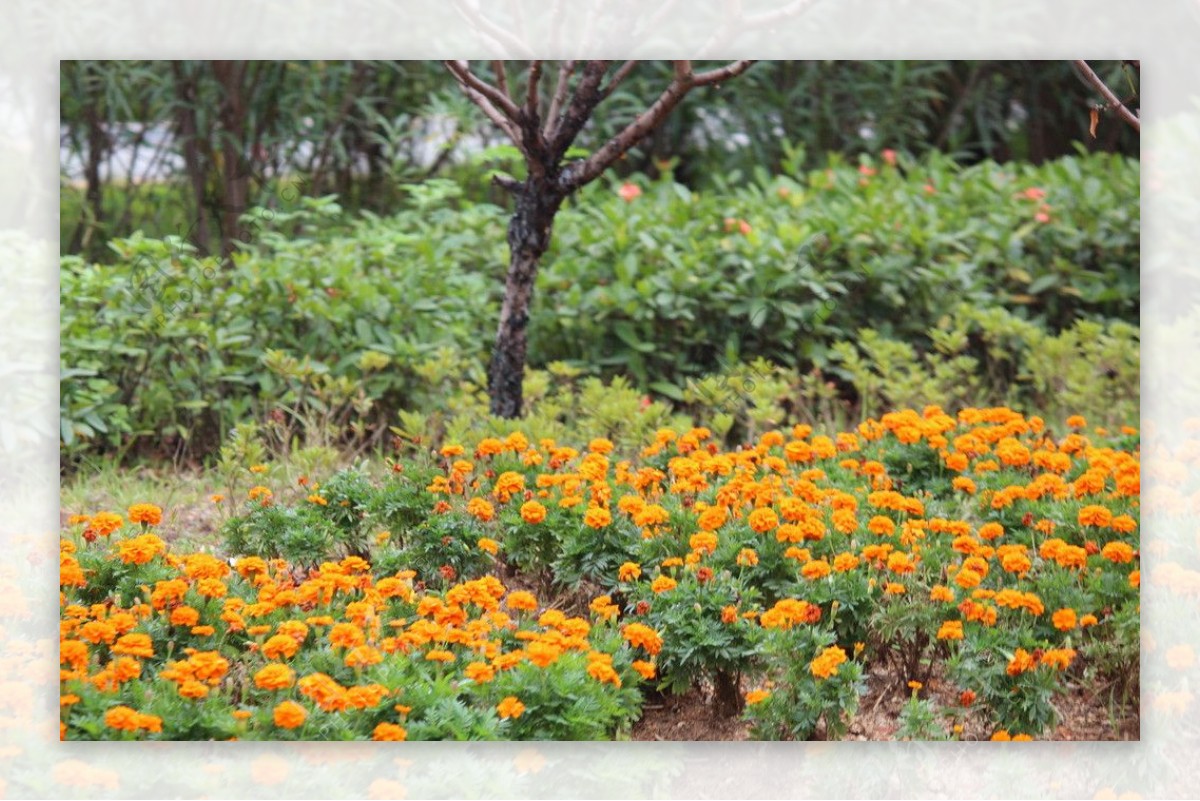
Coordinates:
235 175
551 179
528 238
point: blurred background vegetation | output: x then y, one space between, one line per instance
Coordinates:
314 248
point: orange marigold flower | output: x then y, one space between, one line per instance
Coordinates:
826 663
522 601
644 669
629 571
488 545
663 584
510 707
940 592
481 509
1095 516
712 518
193 689
642 636
747 557
103 524
123 718
883 526
480 672
845 562
757 696
533 512
1117 552
1135 579
146 513
1022 661
134 645
389 732
1064 619
140 550
1058 658
597 517
275 676
281 646
290 715
816 569
950 630
363 656
763 520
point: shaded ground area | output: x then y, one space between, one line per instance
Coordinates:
690 717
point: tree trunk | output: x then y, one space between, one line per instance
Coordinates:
235 173
528 238
727 694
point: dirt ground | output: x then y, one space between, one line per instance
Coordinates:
690 717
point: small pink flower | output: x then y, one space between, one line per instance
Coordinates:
889 157
629 192
1034 193
929 190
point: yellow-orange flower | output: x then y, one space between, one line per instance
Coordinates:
1064 619
597 517
290 715
950 630
663 584
146 513
510 707
826 663
533 512
275 676
389 732
642 636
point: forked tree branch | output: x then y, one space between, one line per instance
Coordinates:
1113 102
685 80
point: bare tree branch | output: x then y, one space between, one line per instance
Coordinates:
723 73
501 77
560 95
501 100
583 102
505 123
506 182
532 102
685 80
1093 80
621 74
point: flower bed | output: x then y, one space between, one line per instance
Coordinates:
983 550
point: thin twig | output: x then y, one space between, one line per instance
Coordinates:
560 95
621 74
1093 80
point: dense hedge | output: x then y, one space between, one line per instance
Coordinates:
362 316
